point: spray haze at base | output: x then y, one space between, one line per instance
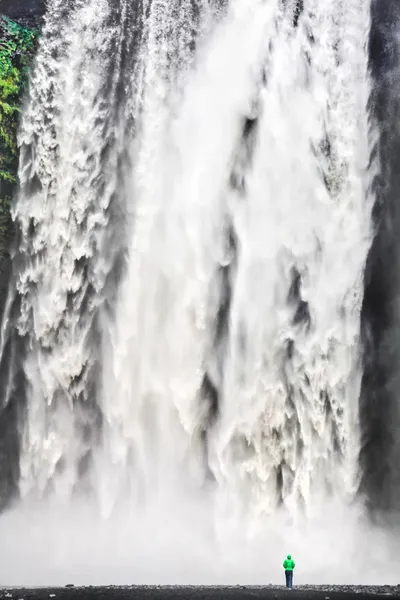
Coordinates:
182 337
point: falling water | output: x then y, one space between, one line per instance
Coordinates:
194 220
284 210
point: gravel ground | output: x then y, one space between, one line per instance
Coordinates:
198 593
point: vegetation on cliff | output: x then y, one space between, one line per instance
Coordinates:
17 47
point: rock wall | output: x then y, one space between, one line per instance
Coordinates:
17 48
25 12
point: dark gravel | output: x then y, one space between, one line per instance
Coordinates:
199 593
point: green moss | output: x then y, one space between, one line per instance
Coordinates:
17 47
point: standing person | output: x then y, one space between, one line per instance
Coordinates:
289 565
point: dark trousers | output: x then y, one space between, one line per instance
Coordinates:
289 579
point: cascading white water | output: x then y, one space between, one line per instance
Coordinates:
298 416
69 178
295 415
233 172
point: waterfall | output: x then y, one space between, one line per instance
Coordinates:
194 218
284 375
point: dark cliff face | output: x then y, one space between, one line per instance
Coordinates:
26 12
380 401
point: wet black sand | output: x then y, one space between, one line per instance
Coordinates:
199 593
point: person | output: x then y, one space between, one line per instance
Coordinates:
289 565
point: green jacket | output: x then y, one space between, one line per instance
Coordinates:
289 564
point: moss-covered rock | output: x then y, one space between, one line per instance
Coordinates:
17 47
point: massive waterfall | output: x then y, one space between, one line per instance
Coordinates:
182 339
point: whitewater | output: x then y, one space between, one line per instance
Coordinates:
194 219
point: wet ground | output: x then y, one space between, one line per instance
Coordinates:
200 593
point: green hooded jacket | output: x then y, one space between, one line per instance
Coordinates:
288 564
